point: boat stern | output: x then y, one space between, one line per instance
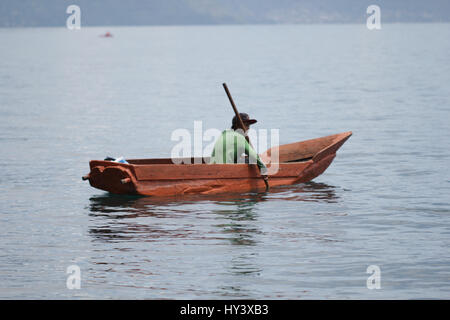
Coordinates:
112 177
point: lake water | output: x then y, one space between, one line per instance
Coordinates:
67 97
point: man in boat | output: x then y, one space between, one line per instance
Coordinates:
233 147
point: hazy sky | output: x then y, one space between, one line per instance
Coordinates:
181 12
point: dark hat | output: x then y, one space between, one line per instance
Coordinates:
245 119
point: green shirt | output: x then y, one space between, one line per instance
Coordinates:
230 147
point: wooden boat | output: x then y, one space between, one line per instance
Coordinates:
297 162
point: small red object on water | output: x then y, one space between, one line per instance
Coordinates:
107 35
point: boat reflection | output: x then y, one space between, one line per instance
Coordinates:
224 228
137 218
111 203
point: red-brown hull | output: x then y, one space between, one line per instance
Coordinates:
298 162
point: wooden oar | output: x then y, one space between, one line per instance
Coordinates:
243 126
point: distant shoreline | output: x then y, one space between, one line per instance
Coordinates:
221 25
